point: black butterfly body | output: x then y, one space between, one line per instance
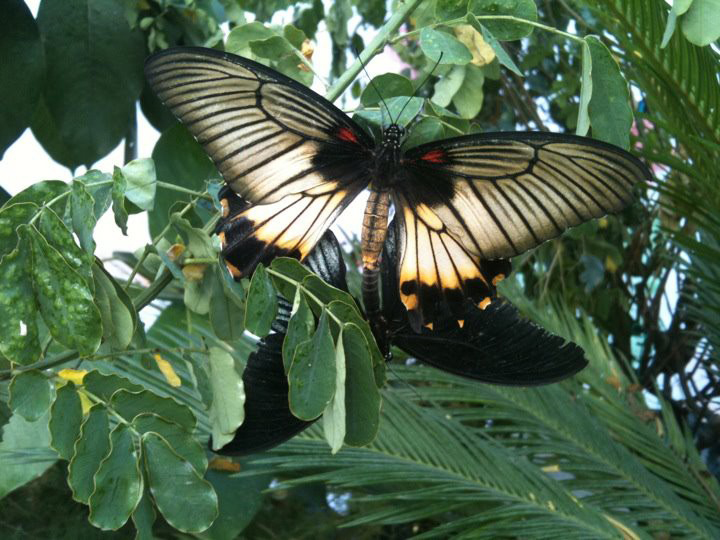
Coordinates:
463 206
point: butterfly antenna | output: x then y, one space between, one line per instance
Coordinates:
427 78
374 87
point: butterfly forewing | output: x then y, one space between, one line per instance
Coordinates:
467 204
291 154
509 192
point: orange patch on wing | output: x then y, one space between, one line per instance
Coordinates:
497 279
485 302
461 322
225 207
429 326
234 272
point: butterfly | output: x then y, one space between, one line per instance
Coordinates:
463 206
495 345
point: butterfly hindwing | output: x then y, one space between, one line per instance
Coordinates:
435 269
293 156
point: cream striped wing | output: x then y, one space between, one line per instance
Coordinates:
466 205
292 155
500 194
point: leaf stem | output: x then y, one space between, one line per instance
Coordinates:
509 18
403 10
180 189
307 293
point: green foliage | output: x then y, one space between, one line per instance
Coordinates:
22 52
429 454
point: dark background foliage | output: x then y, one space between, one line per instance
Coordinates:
639 291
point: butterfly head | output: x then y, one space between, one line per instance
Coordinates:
393 135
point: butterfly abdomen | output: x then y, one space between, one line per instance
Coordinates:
374 231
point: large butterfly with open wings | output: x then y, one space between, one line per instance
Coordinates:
463 205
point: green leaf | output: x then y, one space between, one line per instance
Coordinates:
186 501
312 373
669 28
42 193
21 71
66 302
198 294
19 338
118 199
273 47
300 328
227 411
199 243
30 394
426 130
586 90
239 498
334 413
65 420
131 404
348 314
362 397
90 98
118 482
505 30
179 439
678 8
290 268
117 320
434 43
11 216
144 517
24 452
59 236
239 38
82 209
448 86
609 108
90 449
446 10
468 99
104 386
141 182
261 306
227 311
89 104
389 85
99 184
180 160
502 55
294 35
701 23
410 108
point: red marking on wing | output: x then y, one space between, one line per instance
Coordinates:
346 135
434 156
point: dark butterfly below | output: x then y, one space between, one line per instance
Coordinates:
463 206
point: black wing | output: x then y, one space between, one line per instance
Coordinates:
268 420
474 199
494 345
291 154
